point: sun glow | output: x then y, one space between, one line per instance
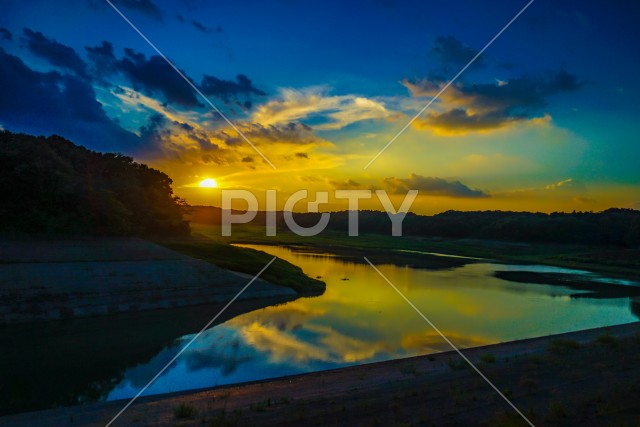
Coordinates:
208 183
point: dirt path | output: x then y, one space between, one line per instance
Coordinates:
587 378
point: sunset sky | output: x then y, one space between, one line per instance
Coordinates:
546 119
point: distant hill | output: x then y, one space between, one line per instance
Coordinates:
611 227
50 185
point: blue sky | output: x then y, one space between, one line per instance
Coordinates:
545 119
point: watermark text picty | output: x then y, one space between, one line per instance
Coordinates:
313 203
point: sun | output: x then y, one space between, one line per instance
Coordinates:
208 183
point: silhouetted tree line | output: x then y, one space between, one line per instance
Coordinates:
50 185
611 227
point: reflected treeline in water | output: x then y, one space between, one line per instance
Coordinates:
69 362
413 259
589 286
634 304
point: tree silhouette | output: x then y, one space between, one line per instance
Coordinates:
50 185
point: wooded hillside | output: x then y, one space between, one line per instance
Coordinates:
50 185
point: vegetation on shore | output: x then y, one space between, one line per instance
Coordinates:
572 281
609 259
606 242
249 261
616 227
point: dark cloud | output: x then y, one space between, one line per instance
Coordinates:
147 7
431 186
302 155
158 131
155 75
199 26
460 121
348 184
102 60
203 140
56 53
46 103
184 126
292 133
227 89
473 107
525 93
155 129
450 51
5 34
469 107
312 178
247 159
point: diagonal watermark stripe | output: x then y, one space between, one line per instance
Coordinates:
204 328
449 83
193 86
466 359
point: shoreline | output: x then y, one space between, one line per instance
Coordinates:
426 255
439 384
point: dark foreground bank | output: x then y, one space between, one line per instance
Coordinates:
588 378
64 279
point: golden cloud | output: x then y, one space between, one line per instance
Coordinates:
466 108
333 112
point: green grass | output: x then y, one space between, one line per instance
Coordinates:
487 358
245 260
556 411
457 364
225 419
607 340
183 411
562 346
409 369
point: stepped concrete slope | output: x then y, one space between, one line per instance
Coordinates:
50 280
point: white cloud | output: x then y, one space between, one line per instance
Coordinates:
336 112
567 184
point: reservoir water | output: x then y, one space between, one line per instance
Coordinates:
361 319
358 319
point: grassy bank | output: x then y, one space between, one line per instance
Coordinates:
249 261
617 261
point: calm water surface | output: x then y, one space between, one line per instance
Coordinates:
360 319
